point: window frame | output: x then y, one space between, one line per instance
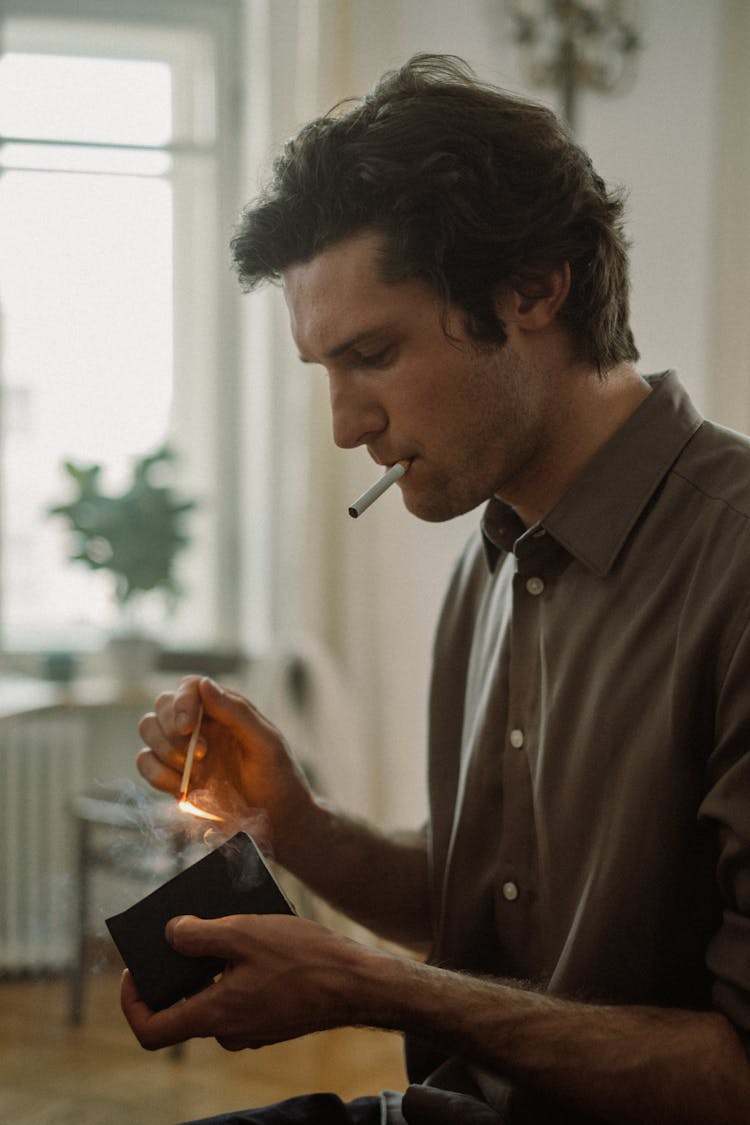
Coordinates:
208 362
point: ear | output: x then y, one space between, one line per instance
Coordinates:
538 305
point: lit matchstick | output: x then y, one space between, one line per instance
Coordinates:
388 478
194 810
189 757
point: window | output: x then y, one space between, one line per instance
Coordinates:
115 197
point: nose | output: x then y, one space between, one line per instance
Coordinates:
356 416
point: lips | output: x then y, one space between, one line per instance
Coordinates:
389 462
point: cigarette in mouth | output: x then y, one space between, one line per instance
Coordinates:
388 478
189 757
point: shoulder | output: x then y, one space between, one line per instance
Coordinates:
715 465
705 510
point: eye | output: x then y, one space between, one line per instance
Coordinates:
373 359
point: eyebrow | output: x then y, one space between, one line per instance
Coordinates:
346 345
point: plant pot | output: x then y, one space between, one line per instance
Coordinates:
132 659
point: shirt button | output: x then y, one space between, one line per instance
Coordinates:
510 891
534 586
516 739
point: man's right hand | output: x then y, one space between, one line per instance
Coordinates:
244 771
242 761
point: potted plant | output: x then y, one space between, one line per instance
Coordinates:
136 536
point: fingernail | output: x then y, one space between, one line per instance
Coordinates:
182 722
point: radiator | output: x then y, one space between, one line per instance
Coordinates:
42 764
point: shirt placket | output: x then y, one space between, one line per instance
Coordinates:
516 892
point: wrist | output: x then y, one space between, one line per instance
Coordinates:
301 835
378 988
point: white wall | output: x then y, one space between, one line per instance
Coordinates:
661 143
658 140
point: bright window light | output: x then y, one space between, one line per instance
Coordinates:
86 290
112 101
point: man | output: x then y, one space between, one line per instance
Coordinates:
450 257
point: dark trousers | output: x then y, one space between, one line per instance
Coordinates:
308 1109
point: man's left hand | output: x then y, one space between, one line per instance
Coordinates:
285 977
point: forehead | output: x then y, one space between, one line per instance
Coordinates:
352 258
337 295
334 286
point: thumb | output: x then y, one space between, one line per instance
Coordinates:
200 937
228 707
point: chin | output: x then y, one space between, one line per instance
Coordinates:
439 508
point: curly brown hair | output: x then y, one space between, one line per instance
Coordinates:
472 189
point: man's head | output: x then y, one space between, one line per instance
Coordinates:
472 190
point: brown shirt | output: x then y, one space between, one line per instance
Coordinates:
590 730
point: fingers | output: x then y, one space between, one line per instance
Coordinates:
184 705
160 776
237 747
269 990
174 717
166 731
153 1029
176 714
179 712
195 1017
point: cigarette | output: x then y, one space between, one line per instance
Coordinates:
187 768
370 496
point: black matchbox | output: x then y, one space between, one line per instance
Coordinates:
232 879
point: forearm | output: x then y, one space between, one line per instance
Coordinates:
377 879
289 977
624 1064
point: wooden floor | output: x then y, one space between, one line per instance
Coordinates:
97 1074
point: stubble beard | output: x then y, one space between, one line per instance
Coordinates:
496 461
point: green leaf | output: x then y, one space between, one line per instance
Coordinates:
136 535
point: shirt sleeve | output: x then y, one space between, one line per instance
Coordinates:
727 804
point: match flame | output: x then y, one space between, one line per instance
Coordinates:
188 807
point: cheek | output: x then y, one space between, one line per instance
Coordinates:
438 395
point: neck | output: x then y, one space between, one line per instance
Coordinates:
586 417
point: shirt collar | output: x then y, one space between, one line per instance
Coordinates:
593 519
